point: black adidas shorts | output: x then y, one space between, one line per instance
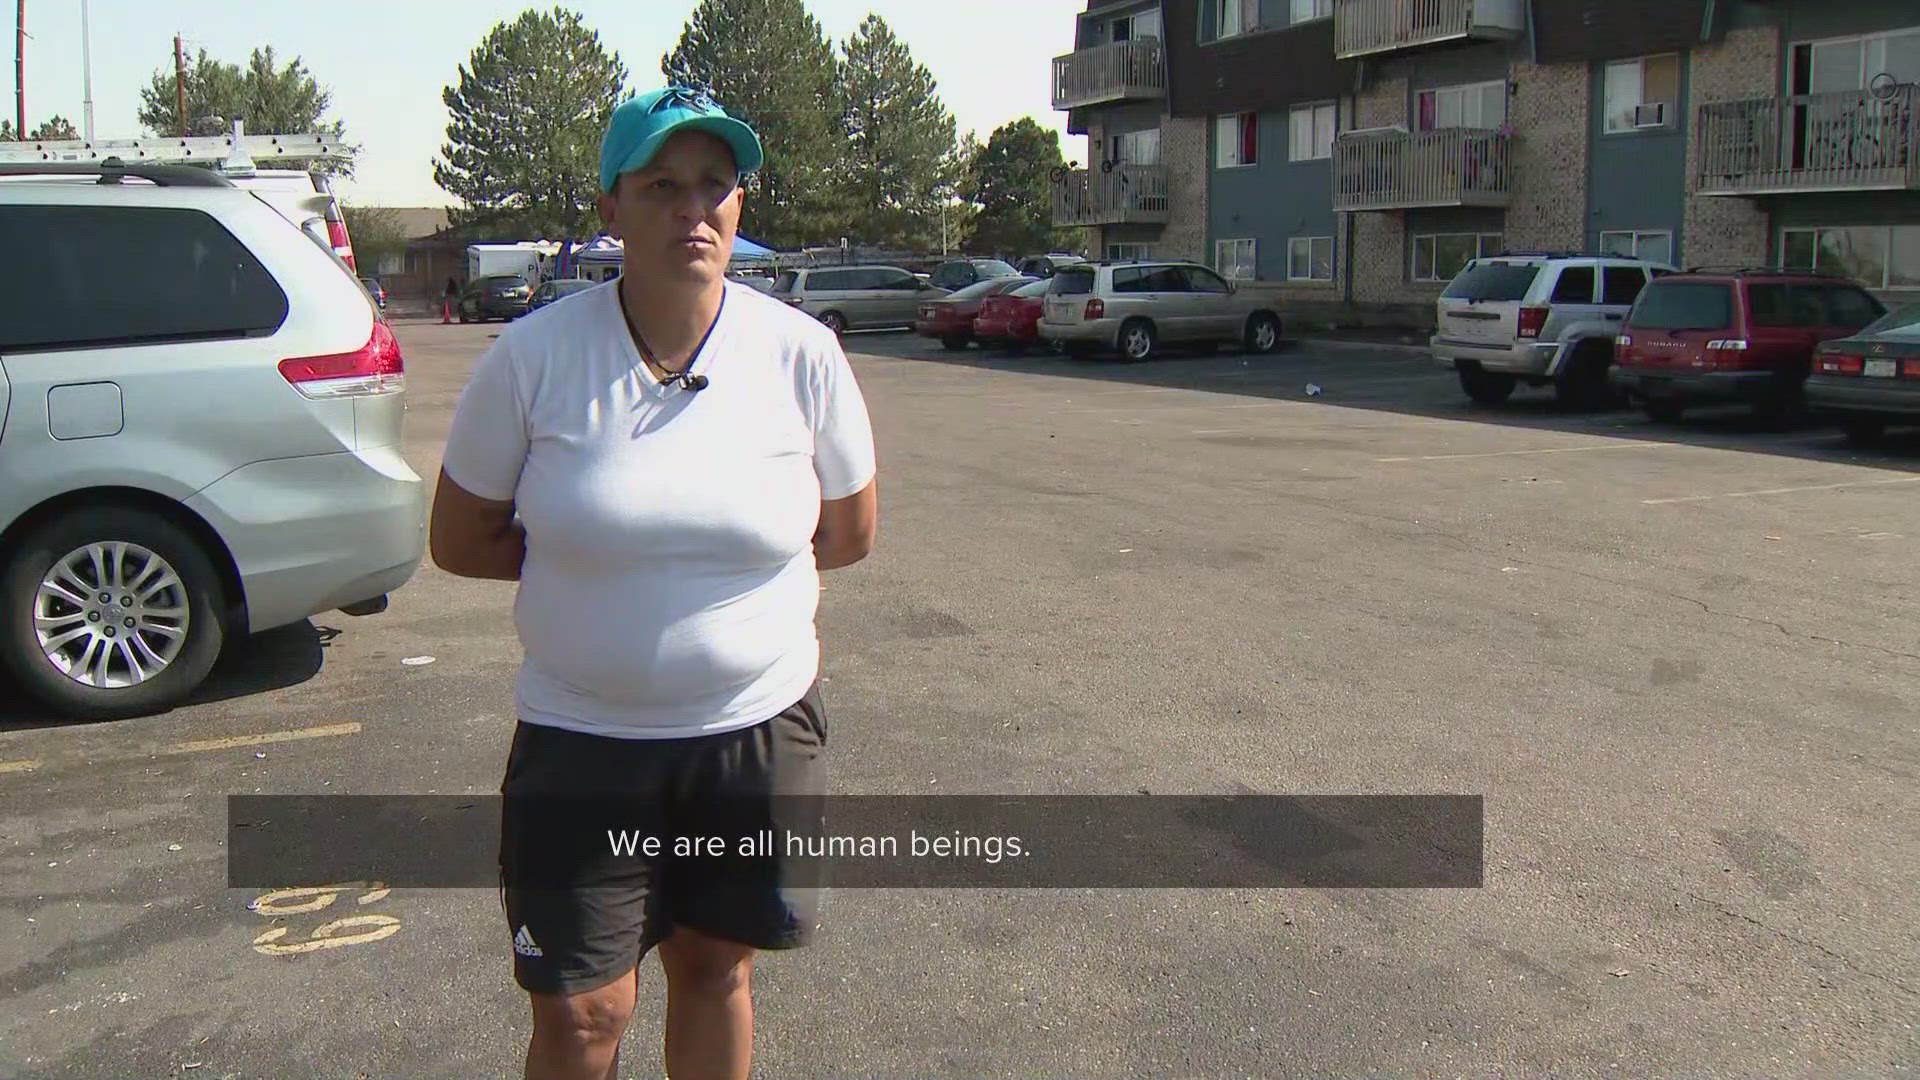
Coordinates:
580 914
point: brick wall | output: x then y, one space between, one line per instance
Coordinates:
1723 230
1548 112
1379 239
1183 147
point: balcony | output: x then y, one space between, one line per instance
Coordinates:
1122 71
1398 170
1372 27
1126 195
1847 141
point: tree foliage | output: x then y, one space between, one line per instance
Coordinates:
770 64
1010 182
56 128
527 116
377 233
274 98
900 159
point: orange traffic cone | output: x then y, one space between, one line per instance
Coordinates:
446 312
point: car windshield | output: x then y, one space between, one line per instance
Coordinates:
784 283
1905 321
1683 305
996 268
1071 282
1038 288
1492 281
976 290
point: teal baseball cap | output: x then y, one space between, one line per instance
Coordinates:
641 124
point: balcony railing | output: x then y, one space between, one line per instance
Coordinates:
1844 141
1123 71
1397 170
1125 195
1366 27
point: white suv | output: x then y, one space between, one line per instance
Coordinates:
1540 319
200 418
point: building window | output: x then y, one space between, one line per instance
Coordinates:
1653 246
1228 19
1847 64
1236 259
1310 258
1145 24
1310 131
1642 94
1300 11
1877 256
1440 256
1129 252
1137 147
1475 105
1237 140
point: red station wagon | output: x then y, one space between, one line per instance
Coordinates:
1011 320
1740 335
950 318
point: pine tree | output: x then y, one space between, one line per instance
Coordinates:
528 114
769 63
274 99
899 140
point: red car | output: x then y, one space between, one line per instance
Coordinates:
1011 320
950 318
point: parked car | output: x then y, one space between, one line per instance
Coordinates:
376 292
960 273
1537 318
201 445
856 297
949 319
1135 307
557 289
1739 335
1043 266
499 296
1011 320
1871 380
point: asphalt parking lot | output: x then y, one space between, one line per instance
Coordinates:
1679 661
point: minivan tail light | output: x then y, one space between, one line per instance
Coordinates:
337 236
1532 321
1096 309
375 368
1839 364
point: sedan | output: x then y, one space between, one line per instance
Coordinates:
557 289
1011 320
950 318
1870 380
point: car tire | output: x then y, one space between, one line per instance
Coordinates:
1485 387
1137 339
1864 433
1263 334
834 321
1583 385
1014 348
156 549
1664 410
952 343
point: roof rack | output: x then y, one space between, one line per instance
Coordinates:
1737 269
113 170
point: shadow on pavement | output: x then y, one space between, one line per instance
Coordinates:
274 660
1358 377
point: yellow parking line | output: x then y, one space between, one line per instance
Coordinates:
18 766
257 740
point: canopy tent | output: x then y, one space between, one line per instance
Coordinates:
745 250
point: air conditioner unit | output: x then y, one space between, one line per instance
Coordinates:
1651 115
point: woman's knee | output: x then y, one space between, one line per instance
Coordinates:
705 966
596 1018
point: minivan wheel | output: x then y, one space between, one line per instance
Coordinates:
1485 387
834 321
110 612
1137 339
1263 333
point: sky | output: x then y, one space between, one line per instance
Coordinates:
386 61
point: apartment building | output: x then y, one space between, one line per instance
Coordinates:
1355 153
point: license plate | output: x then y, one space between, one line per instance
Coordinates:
1880 369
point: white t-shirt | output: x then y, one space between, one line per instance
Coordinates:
670 585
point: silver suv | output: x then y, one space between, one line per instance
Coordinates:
1539 318
856 297
1135 307
200 419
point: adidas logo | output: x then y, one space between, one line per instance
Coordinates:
523 943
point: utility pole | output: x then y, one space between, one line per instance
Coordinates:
20 72
86 68
179 80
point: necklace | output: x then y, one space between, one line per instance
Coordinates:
658 370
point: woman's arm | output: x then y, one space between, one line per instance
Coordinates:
475 537
847 528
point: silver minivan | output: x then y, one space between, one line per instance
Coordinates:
856 297
1135 307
